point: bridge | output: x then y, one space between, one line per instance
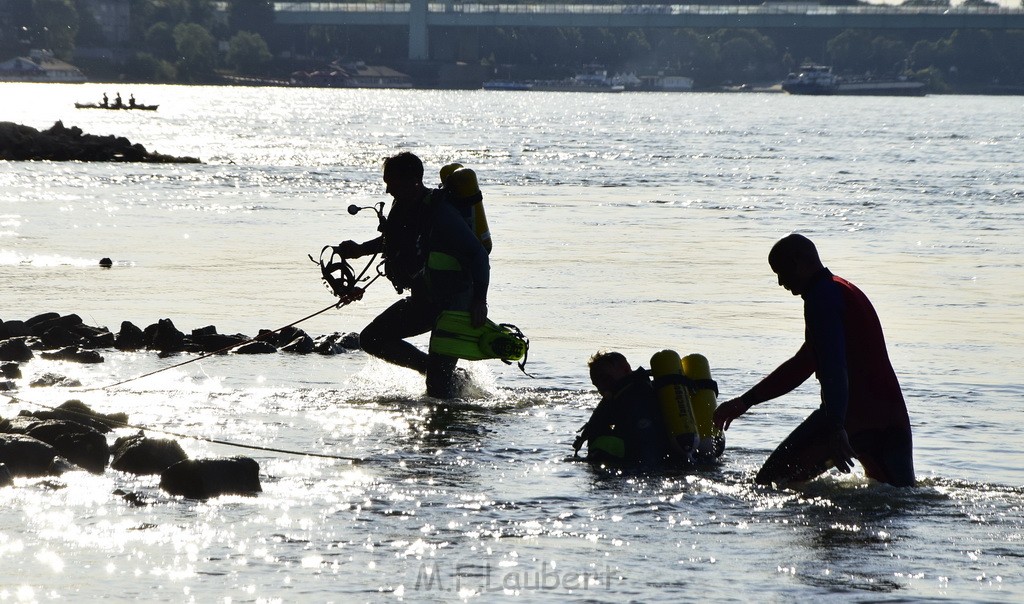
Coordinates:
420 16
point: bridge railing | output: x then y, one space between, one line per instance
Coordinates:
770 8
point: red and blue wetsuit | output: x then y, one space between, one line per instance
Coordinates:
845 348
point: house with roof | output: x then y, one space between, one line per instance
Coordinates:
40 66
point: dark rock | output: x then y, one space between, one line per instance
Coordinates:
7 385
58 143
337 343
11 371
20 424
15 349
81 445
351 341
138 454
6 478
132 498
163 336
14 329
52 379
131 337
209 330
42 323
74 354
329 344
40 319
256 347
217 342
206 478
26 456
300 345
99 339
106 262
77 411
285 336
59 337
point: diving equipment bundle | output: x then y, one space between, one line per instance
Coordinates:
688 396
463 190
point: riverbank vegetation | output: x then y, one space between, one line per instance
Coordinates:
201 41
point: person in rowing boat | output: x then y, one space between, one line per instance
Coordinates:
626 428
431 251
862 413
106 101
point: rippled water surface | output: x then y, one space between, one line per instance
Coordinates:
633 222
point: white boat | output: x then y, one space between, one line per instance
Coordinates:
811 79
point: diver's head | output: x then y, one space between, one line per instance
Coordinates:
607 369
795 260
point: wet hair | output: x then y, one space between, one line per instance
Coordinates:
793 246
405 165
604 359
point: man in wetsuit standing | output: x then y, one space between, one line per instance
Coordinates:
430 250
862 412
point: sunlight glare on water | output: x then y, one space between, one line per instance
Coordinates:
632 222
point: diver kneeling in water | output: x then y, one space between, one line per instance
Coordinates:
626 427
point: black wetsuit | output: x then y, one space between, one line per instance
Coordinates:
626 428
413 235
844 347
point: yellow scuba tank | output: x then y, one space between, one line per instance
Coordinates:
703 399
455 336
461 183
674 400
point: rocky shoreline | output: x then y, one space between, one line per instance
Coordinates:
73 436
59 143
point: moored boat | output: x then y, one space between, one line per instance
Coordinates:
506 85
811 79
819 80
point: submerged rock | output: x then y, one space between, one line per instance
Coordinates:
16 350
81 445
139 454
206 478
26 456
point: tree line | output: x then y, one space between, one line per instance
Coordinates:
193 41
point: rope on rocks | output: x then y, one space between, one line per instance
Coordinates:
216 352
215 441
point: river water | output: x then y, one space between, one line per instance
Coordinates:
633 222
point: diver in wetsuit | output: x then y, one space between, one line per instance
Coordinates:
862 412
626 428
430 250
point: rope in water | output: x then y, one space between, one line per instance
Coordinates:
343 302
199 438
216 352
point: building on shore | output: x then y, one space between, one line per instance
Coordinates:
40 66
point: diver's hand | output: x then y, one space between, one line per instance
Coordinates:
349 249
478 312
841 452
728 411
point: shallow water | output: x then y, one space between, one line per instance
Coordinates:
633 222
